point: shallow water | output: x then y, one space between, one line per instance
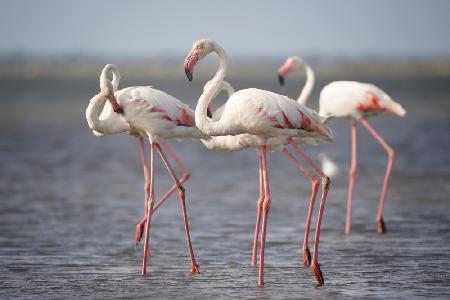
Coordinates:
69 203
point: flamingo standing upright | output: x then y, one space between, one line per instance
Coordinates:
357 101
232 143
146 112
264 115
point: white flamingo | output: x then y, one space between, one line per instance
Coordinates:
264 115
356 101
100 114
146 112
231 143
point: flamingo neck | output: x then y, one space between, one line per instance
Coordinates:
109 125
201 119
309 85
104 78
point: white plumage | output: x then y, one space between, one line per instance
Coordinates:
259 119
355 99
147 113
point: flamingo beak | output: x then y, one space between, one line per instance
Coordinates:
115 105
283 71
188 73
189 63
208 111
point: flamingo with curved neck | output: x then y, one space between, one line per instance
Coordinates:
262 115
295 63
146 113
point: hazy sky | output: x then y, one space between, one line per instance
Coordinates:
135 28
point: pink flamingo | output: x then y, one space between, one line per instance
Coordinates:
357 100
232 143
264 115
150 113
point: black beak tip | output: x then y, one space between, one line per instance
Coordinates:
281 80
188 74
119 110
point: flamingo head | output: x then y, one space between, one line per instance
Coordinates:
291 64
200 49
107 88
107 91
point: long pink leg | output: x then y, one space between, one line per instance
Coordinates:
381 228
181 194
325 186
266 208
351 179
140 225
259 210
185 176
149 211
314 189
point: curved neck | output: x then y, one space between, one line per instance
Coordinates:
105 83
309 85
110 125
201 118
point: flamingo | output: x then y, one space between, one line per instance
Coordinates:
240 142
357 101
100 114
146 113
263 115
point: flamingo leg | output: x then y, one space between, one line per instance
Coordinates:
325 187
185 176
381 228
351 179
259 210
181 194
314 189
149 211
266 208
140 225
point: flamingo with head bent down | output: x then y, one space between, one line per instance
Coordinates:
147 113
262 115
357 101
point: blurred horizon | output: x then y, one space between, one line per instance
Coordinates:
403 29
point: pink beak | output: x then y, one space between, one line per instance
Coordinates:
282 72
115 105
189 63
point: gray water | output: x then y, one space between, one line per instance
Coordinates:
70 200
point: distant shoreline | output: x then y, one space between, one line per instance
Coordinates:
241 68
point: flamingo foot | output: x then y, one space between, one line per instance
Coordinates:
195 269
139 231
381 227
318 273
261 282
306 257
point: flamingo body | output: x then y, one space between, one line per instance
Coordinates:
258 116
355 99
262 113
